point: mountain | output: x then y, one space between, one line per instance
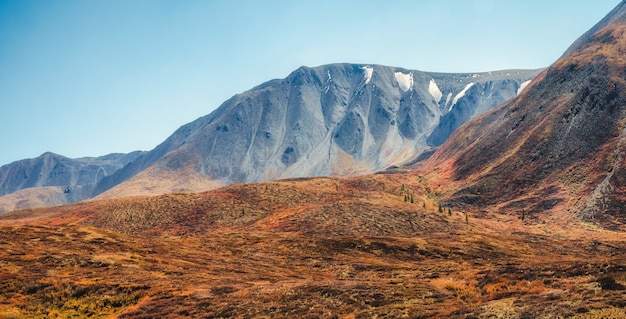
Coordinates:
339 119
559 146
52 179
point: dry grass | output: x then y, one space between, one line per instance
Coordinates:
342 248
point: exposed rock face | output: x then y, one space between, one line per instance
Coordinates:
481 97
340 119
559 144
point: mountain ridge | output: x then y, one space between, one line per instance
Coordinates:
336 119
339 119
618 13
51 179
50 169
558 146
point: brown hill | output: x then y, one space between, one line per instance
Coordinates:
557 147
331 248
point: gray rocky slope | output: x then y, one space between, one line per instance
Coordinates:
67 180
339 119
51 169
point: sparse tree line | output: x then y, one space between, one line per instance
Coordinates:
409 197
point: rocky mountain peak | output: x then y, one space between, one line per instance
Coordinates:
337 119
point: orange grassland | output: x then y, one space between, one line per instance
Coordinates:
375 246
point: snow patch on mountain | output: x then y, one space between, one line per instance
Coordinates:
461 94
434 90
405 81
368 73
448 97
522 86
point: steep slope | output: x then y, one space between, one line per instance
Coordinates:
481 97
52 179
340 119
557 147
615 15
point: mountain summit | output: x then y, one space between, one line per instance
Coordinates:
339 119
558 146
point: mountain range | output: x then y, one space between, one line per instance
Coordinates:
52 179
340 119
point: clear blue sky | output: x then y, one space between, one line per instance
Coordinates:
87 78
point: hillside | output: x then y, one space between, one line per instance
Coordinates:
558 147
332 248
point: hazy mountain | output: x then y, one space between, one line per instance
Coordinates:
52 179
558 146
340 119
